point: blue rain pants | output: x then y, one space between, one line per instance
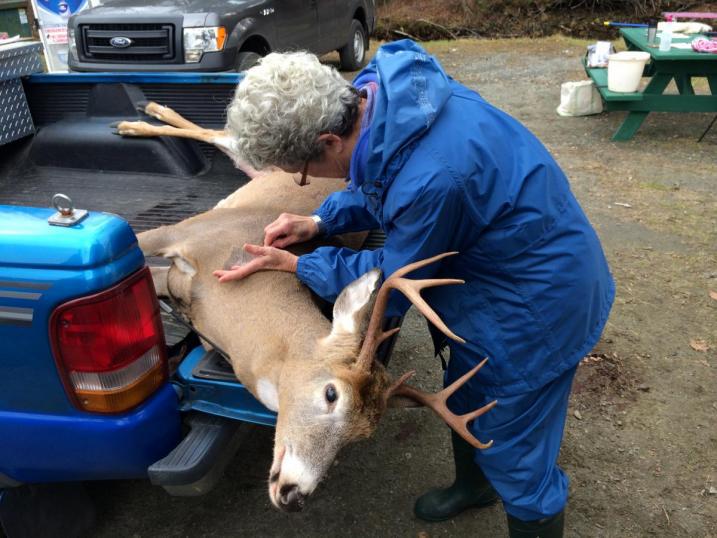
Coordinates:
527 430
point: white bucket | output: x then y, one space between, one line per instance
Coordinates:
624 70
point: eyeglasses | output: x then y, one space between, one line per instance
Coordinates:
303 180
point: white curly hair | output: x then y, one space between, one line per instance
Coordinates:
283 104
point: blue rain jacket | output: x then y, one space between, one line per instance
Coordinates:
446 171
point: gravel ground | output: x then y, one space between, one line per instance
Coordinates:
640 443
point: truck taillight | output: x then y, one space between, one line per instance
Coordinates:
109 347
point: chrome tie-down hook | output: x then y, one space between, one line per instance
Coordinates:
66 214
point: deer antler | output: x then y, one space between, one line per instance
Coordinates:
437 403
375 335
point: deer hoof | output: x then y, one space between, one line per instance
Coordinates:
154 109
121 127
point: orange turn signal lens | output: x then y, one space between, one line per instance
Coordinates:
112 401
221 37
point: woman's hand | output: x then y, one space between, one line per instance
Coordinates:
289 229
265 259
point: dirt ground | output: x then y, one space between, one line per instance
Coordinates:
641 436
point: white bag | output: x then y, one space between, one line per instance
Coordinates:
579 99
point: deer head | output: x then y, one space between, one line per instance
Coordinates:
342 392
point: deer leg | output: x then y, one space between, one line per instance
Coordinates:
219 139
144 129
166 115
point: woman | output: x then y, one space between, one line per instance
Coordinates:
439 169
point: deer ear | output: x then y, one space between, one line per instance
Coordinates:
353 306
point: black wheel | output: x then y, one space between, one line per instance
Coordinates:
246 60
353 53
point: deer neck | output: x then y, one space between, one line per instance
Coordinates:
279 351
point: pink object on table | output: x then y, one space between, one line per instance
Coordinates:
704 45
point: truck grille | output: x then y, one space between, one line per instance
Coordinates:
148 43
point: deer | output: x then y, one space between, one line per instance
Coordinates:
320 377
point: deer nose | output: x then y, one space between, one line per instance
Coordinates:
290 498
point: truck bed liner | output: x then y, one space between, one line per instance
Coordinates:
146 201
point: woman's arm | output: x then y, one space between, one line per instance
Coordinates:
346 211
424 227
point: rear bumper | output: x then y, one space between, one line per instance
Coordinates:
210 62
50 448
225 397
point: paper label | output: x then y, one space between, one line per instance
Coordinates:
56 34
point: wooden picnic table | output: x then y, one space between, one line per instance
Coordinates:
682 65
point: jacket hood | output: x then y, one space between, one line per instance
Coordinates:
412 90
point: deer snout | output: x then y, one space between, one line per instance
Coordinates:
290 498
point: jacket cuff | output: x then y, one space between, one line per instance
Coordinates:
328 221
306 272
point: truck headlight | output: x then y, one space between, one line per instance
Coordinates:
197 41
72 44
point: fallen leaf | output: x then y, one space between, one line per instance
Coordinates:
699 345
713 294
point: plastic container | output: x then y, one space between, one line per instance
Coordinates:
666 35
624 70
652 32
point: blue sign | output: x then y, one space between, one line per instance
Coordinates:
62 7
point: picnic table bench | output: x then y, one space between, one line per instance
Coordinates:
679 64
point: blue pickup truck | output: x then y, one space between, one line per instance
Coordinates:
85 388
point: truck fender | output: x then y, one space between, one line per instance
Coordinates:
251 29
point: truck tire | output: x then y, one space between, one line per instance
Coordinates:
246 60
353 53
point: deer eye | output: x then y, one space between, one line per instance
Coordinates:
331 394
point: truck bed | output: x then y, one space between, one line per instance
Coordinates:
146 201
79 156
